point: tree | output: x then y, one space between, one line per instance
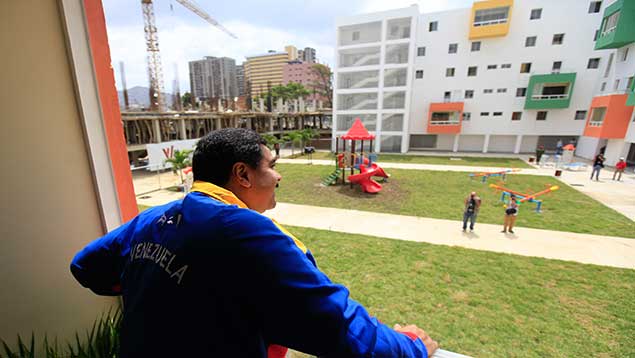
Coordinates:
323 83
271 140
307 134
295 137
188 100
179 161
289 91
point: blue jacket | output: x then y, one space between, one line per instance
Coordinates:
207 277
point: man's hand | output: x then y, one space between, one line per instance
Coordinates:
411 329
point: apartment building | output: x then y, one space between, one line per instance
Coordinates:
265 70
240 80
307 55
213 77
301 72
502 76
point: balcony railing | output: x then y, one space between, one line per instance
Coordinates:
549 96
490 22
608 31
444 123
595 124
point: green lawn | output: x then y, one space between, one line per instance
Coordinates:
440 195
425 159
485 304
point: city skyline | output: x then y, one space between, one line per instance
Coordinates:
181 33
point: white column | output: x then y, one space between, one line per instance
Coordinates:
271 119
519 141
157 130
486 143
261 104
455 147
182 131
218 123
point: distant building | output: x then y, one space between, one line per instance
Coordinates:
240 79
265 70
301 72
214 77
307 55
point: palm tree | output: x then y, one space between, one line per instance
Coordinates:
294 137
179 161
307 135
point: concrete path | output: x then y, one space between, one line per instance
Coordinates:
584 248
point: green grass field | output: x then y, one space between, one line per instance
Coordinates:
425 159
440 195
485 304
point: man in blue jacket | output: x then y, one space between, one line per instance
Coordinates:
209 276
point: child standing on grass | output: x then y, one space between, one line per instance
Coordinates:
511 212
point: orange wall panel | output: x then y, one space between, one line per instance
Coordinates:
110 108
445 107
616 119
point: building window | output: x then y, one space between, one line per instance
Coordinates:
629 82
557 65
484 114
595 37
419 74
434 26
594 7
488 90
355 35
471 71
616 85
467 116
506 65
453 48
497 114
541 116
501 90
603 87
469 94
530 41
557 39
476 46
516 116
421 51
610 24
580 115
449 72
447 95
597 116
525 67
493 16
625 54
593 63
491 67
535 14
521 92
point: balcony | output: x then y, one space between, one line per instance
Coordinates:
618 26
490 18
550 91
609 117
445 118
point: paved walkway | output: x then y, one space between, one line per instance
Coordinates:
584 248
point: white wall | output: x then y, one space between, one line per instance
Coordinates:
471 143
587 147
529 144
616 148
502 143
445 141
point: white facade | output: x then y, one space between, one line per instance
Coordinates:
371 58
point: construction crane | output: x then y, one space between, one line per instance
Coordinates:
155 70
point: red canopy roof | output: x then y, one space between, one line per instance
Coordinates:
358 132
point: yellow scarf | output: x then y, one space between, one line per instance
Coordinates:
225 196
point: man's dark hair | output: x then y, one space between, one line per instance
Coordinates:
217 152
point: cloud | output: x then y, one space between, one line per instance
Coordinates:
185 42
424 5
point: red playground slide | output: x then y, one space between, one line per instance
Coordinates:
364 178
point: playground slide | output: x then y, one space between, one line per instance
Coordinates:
364 178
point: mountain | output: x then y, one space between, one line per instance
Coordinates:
138 96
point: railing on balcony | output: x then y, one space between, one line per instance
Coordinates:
608 31
490 22
444 123
550 96
595 124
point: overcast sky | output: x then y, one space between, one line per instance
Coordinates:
259 25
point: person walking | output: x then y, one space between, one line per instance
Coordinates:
598 164
619 169
511 212
472 205
210 276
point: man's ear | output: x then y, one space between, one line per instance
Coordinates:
240 173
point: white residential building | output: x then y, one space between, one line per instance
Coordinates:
502 76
